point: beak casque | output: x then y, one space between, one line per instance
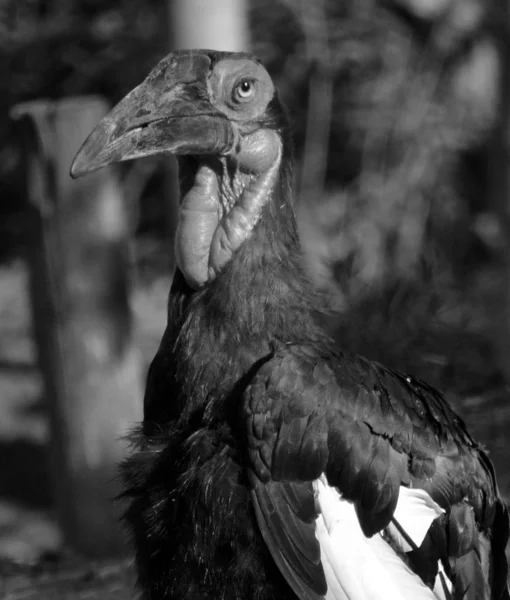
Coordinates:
168 113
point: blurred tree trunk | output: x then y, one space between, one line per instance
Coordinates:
81 318
218 25
499 195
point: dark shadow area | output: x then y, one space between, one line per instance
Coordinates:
24 475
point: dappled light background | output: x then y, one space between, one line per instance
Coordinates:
399 110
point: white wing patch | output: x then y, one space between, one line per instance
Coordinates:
361 568
414 513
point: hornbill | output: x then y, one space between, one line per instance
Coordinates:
271 464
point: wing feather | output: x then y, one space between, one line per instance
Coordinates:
415 512
288 529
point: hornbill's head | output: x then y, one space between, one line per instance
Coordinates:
218 112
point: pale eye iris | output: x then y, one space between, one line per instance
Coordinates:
244 89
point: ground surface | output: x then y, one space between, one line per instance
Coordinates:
72 580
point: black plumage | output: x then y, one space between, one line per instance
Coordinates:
248 401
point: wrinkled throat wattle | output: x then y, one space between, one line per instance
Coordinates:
209 232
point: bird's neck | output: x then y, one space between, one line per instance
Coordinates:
260 300
262 292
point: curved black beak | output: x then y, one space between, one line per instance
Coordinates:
168 113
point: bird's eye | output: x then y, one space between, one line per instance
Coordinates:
244 90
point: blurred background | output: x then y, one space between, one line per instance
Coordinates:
400 117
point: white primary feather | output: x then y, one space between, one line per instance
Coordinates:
415 512
361 568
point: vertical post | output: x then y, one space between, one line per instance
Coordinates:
218 25
81 317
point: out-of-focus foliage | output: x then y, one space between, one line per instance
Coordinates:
415 100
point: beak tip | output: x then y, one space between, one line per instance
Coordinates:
90 156
80 167
87 160
74 171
